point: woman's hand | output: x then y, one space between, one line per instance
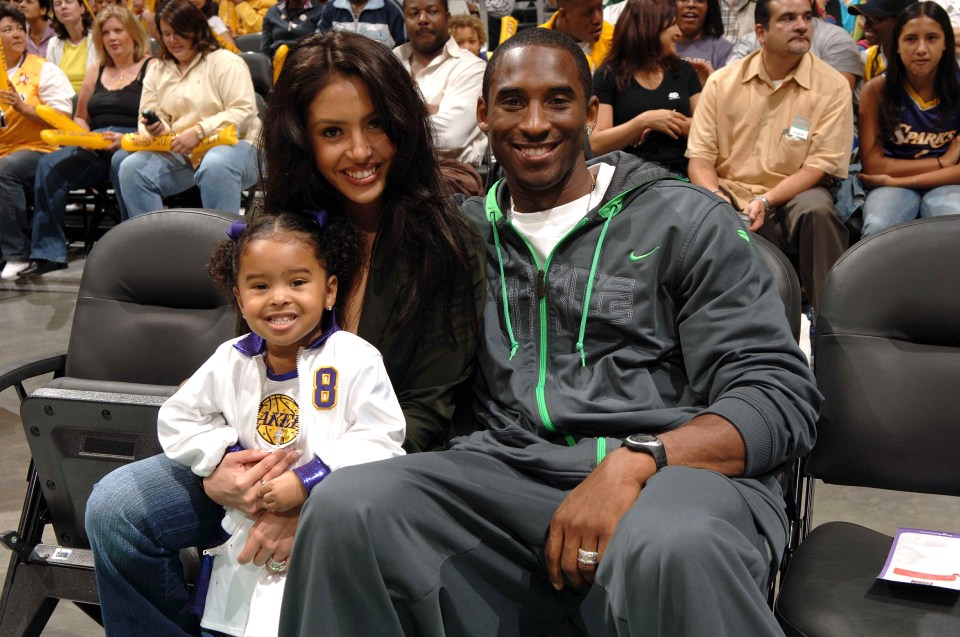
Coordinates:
10 98
270 537
155 129
283 493
877 181
952 156
236 481
114 138
702 67
185 141
668 122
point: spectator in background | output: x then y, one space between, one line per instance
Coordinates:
582 21
209 10
830 43
108 103
702 42
379 20
878 17
647 94
196 89
30 82
469 34
737 17
288 20
450 79
909 120
769 135
39 31
244 17
72 48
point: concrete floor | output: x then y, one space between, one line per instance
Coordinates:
36 319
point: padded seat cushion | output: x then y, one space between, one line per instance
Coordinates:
830 589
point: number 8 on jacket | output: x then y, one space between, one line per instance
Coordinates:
325 388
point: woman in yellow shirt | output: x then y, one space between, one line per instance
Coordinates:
72 50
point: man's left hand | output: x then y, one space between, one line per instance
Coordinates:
588 516
757 213
270 537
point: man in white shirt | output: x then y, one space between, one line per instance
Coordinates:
450 79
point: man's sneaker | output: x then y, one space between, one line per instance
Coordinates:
13 269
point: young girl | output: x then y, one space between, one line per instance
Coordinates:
296 380
468 32
909 119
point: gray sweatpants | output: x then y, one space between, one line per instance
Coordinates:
451 543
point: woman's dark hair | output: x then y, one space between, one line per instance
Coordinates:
61 31
186 21
946 84
419 225
636 41
336 244
209 8
713 23
9 10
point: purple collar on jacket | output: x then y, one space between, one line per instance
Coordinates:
253 344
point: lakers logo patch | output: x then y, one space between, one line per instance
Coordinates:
278 420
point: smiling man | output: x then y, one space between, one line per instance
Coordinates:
449 79
637 385
770 134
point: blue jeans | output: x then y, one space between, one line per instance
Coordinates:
147 177
138 518
16 174
58 173
887 207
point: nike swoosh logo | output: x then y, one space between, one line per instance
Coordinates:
744 235
635 258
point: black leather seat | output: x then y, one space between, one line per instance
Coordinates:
888 364
146 318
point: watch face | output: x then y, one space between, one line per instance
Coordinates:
643 438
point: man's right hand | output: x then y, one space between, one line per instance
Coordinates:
236 481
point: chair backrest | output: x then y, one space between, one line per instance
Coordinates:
261 72
147 311
888 362
249 43
788 285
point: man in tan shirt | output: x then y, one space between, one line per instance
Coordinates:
770 132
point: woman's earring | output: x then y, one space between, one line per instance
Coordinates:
329 308
589 131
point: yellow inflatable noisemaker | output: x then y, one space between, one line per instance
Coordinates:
278 59
58 120
135 141
81 138
508 28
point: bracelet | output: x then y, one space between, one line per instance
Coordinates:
938 162
199 129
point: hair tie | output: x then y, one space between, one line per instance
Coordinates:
236 230
319 215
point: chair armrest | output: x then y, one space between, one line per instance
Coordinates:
16 373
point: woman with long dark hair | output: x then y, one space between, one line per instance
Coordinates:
195 90
702 41
344 141
647 94
909 120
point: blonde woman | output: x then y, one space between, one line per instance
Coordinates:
108 103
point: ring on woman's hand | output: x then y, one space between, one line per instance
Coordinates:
587 558
275 566
262 482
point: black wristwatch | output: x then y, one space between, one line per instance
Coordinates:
647 443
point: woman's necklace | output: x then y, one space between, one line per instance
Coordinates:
361 284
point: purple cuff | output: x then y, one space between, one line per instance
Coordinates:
312 473
232 448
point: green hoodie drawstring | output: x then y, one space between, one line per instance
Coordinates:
610 213
493 213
